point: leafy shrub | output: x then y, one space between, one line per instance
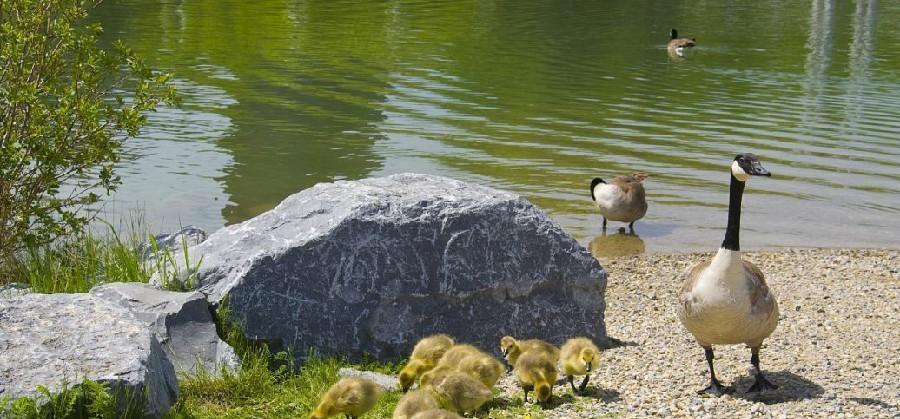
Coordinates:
66 106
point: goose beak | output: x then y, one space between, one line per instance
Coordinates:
588 367
756 169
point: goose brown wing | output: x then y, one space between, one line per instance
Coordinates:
761 299
689 283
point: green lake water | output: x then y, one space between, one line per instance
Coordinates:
534 97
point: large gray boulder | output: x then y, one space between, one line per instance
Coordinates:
181 321
371 266
51 339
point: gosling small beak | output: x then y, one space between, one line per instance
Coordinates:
756 169
588 367
504 351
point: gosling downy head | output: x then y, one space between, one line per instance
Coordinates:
589 357
746 165
408 375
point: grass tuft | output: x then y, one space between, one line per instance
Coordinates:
77 264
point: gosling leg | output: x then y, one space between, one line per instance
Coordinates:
527 388
715 388
572 383
584 382
761 383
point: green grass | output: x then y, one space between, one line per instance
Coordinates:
259 391
87 399
79 263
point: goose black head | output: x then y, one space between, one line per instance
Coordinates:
746 165
594 184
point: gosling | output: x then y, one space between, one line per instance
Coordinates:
460 392
425 356
436 414
512 349
436 374
579 357
536 370
415 401
483 368
351 396
457 353
469 360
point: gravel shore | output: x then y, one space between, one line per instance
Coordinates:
836 351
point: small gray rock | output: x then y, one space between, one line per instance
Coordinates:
49 339
14 289
173 242
181 321
387 382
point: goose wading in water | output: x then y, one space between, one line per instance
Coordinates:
725 300
622 199
677 45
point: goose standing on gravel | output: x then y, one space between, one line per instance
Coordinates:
622 199
677 45
725 300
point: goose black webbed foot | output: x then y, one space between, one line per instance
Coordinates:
715 389
761 384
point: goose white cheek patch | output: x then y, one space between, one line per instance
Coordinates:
738 172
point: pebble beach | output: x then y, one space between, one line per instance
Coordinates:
835 353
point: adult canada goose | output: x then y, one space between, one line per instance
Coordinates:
622 199
725 300
678 45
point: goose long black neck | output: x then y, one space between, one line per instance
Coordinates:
732 233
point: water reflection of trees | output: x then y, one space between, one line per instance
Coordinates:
861 49
308 96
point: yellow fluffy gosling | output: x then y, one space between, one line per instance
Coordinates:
536 370
483 368
579 356
455 354
415 401
460 392
436 414
425 356
512 349
351 396
435 375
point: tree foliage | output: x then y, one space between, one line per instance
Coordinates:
66 106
